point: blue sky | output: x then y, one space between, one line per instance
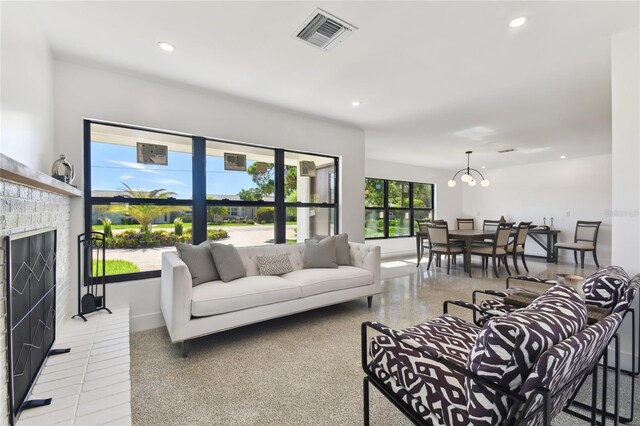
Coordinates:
113 164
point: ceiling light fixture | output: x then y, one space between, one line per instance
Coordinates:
467 177
518 22
356 103
562 157
166 46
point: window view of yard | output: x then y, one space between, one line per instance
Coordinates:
145 209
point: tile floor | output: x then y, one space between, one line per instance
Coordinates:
90 385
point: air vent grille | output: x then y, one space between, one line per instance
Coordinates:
502 151
323 30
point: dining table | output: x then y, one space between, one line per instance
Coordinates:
468 236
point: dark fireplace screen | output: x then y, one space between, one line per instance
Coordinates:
31 308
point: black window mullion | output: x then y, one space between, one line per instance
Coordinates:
199 208
411 233
386 208
336 197
280 224
87 177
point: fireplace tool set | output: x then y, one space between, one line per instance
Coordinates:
91 274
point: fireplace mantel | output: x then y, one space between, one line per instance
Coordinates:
13 170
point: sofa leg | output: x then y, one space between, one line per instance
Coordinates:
185 348
369 301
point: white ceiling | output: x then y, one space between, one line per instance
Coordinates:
435 78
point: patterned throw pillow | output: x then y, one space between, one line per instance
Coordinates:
605 286
507 348
275 264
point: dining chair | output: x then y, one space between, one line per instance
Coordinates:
439 243
422 228
498 250
466 223
585 239
516 247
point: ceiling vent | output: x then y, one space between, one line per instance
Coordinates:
323 30
507 150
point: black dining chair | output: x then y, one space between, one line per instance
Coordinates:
516 247
585 239
498 250
439 243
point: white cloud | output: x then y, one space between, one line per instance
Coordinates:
125 177
168 182
132 165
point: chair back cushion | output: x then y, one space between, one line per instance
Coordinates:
438 234
605 286
502 234
565 364
587 231
507 348
521 234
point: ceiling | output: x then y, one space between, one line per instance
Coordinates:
435 78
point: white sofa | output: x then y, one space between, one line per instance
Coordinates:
215 306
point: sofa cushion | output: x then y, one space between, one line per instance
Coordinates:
274 264
322 280
199 262
228 262
343 256
508 346
605 286
217 297
320 254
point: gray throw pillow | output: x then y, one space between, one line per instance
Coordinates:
228 262
320 254
343 256
274 264
199 262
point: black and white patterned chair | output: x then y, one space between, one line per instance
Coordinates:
520 368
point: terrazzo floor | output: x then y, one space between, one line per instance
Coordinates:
301 369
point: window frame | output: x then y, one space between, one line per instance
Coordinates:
412 210
198 202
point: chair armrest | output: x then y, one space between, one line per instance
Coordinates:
405 339
175 295
530 280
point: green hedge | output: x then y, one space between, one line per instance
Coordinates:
130 238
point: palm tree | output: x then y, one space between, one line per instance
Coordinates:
145 214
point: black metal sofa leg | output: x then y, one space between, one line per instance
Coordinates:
185 348
369 301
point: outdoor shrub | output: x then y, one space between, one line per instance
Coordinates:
178 226
217 234
106 225
265 215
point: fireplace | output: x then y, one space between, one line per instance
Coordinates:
31 310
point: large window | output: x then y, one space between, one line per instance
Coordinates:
391 206
148 190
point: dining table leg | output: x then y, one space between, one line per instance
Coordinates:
418 248
467 255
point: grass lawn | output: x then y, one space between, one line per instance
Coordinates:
115 267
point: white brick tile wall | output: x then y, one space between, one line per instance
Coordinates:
23 208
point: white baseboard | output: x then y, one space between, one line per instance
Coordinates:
626 360
146 321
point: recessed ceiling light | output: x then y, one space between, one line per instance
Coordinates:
562 157
518 22
356 103
166 46
483 167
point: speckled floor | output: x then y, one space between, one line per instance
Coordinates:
298 370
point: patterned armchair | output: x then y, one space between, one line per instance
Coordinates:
521 368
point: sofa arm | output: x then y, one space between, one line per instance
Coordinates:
367 257
175 294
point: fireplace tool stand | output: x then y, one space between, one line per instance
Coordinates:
91 274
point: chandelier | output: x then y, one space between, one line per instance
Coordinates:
467 177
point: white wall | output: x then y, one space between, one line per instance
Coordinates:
26 89
567 190
87 92
448 203
625 206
